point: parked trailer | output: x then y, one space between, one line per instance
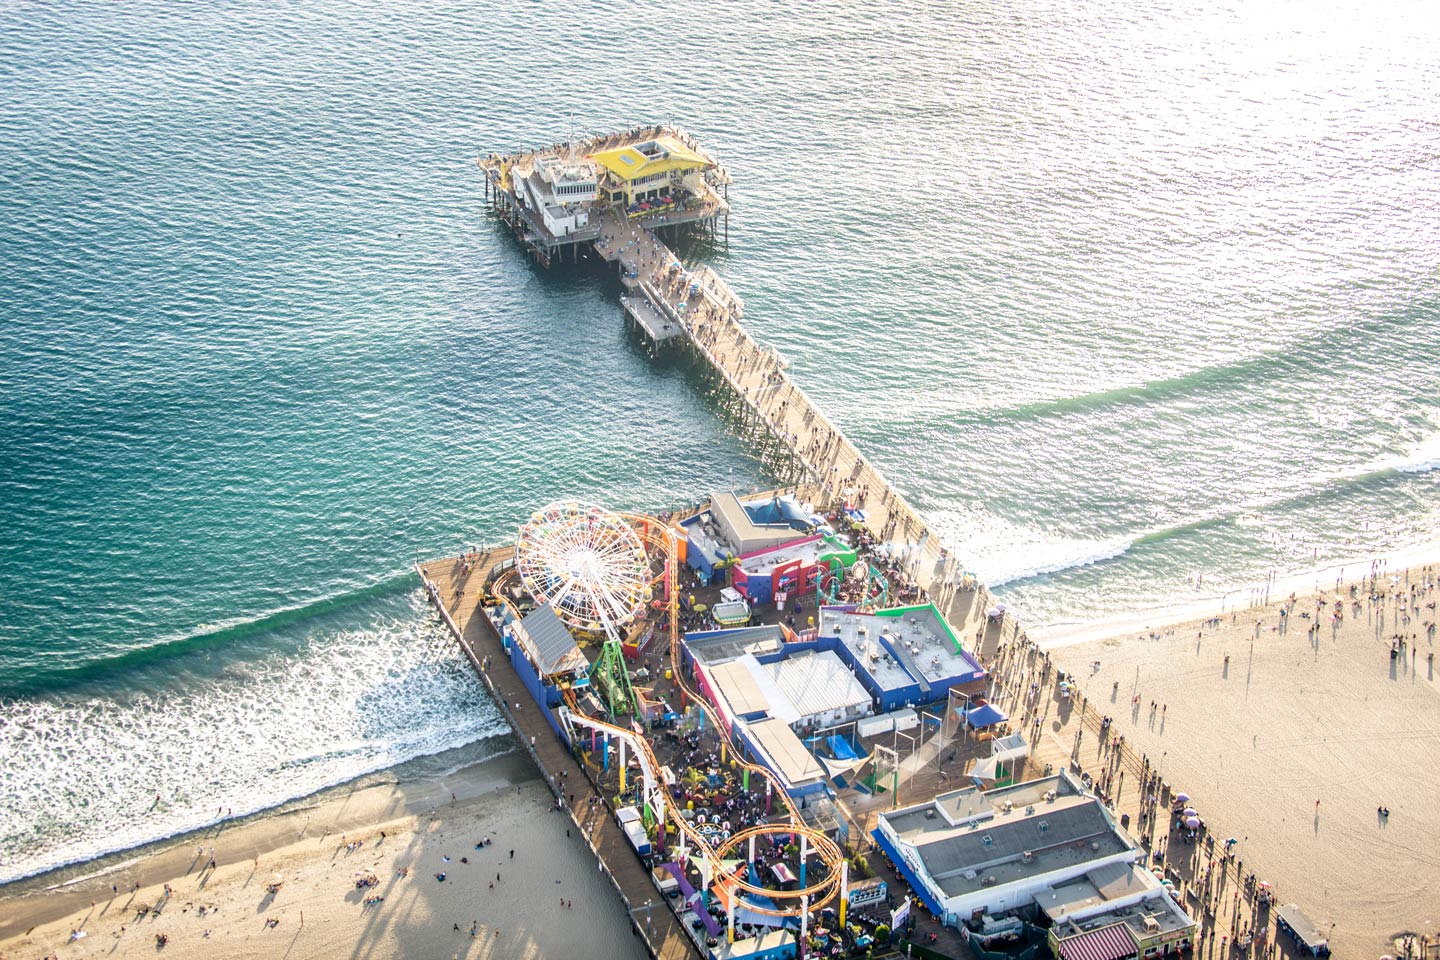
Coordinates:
1309 941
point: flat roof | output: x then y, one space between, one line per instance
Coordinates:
866 649
925 644
764 562
783 752
818 683
740 529
1100 886
971 839
1157 913
749 947
642 159
734 682
717 646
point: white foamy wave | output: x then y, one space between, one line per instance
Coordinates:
1000 552
80 778
1423 458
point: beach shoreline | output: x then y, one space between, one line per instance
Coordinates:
407 828
1300 734
1204 605
354 805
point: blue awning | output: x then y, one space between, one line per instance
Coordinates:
986 716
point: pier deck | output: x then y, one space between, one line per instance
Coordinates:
456 588
711 321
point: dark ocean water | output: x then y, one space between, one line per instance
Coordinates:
1117 295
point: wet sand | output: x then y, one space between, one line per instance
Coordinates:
1295 716
320 911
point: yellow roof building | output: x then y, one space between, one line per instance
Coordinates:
647 171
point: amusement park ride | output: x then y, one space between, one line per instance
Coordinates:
596 569
589 565
863 585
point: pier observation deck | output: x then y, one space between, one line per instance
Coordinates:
692 306
657 176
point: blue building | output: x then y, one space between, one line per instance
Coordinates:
904 656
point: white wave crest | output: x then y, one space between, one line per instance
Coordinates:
1424 457
1000 552
80 778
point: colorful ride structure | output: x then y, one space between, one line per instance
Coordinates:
596 569
589 566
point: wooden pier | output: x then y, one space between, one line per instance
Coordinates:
456 587
708 209
793 437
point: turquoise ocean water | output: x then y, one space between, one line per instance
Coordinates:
1117 295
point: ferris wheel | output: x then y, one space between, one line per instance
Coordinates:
587 563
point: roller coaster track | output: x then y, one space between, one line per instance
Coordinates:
660 539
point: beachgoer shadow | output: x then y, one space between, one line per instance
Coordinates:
1162 725
1225 673
265 902
1394 668
1317 821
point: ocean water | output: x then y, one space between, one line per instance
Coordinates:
1118 295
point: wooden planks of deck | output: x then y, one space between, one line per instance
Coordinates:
456 588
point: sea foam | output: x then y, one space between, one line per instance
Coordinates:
79 776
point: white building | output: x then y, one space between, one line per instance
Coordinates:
973 852
561 191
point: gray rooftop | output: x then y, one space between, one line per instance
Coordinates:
730 644
926 646
866 647
549 643
1155 914
968 837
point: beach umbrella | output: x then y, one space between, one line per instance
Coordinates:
1183 797
1193 823
1191 812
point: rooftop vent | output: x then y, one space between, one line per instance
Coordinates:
971 874
1029 810
1094 844
988 839
1044 825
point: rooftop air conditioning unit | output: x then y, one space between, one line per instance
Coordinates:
988 882
1050 796
1029 810
1152 925
1027 857
1009 805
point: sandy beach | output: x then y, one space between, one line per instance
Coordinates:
1260 714
407 834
